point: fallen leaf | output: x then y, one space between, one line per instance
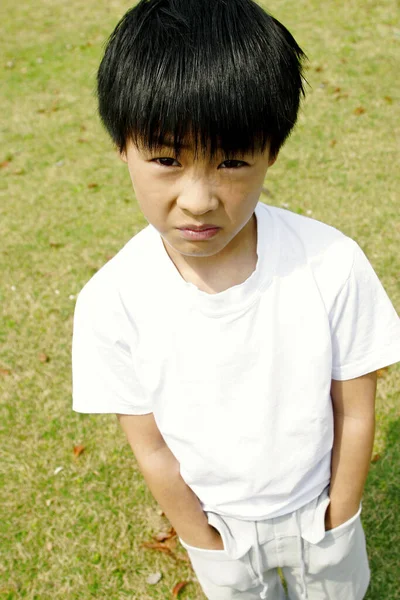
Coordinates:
319 69
360 110
179 586
154 578
78 450
4 164
163 547
93 185
5 371
337 90
157 546
161 537
43 357
171 533
172 543
382 372
375 458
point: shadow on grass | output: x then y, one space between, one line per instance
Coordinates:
381 508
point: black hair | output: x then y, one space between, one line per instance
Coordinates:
223 74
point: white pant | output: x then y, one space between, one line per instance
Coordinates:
316 564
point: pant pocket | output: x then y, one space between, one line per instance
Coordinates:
336 545
218 554
217 566
336 531
202 550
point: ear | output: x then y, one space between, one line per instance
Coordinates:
272 159
121 153
122 156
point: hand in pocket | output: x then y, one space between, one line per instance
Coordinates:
335 516
213 541
218 543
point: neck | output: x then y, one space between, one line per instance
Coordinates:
232 266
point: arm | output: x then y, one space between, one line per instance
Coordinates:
354 428
160 470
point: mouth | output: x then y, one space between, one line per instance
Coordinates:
205 232
198 227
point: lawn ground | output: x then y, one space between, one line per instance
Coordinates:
72 526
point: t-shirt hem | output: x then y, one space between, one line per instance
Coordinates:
371 363
294 504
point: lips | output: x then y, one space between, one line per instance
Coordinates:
199 235
199 227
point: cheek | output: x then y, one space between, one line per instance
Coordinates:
138 176
240 197
152 202
147 189
243 186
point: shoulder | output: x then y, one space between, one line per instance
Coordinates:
326 250
315 235
105 291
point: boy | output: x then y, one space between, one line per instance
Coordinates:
236 342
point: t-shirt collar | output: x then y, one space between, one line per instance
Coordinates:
238 297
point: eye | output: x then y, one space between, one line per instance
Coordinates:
233 164
165 159
229 164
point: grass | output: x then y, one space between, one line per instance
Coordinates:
68 205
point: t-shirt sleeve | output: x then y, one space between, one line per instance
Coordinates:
365 327
103 374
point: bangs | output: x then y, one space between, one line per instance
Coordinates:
214 74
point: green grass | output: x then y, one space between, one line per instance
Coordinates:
78 534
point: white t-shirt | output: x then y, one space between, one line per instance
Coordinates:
238 381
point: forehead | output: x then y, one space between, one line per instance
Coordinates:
188 147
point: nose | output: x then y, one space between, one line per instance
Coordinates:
197 197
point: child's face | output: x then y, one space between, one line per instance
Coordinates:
178 194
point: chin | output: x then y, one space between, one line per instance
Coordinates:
199 251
